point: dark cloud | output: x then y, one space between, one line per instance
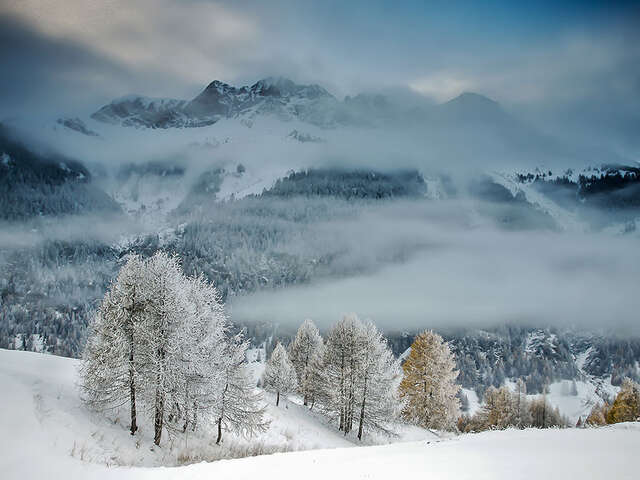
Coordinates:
43 74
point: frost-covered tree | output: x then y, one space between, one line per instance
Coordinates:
341 363
360 377
504 408
315 382
429 386
204 339
279 374
162 343
521 413
240 407
499 409
162 338
378 380
543 415
111 362
301 351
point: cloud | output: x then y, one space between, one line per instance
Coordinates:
190 41
574 65
464 276
41 73
442 86
78 57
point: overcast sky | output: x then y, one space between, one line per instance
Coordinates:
80 53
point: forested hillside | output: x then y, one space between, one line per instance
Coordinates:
34 184
50 285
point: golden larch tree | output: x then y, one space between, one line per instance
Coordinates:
429 388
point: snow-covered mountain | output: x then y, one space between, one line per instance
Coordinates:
279 96
471 129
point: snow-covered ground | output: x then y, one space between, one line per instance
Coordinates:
43 409
45 432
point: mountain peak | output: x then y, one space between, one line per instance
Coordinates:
277 82
472 99
218 87
284 87
473 107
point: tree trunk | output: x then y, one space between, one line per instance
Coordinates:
219 431
159 414
364 399
349 420
305 382
132 393
159 417
278 398
342 392
186 413
132 382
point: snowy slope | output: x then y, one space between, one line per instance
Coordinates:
46 433
565 219
576 406
263 149
42 408
474 402
572 406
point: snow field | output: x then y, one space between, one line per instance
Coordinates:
45 432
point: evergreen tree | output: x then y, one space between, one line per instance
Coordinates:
428 386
